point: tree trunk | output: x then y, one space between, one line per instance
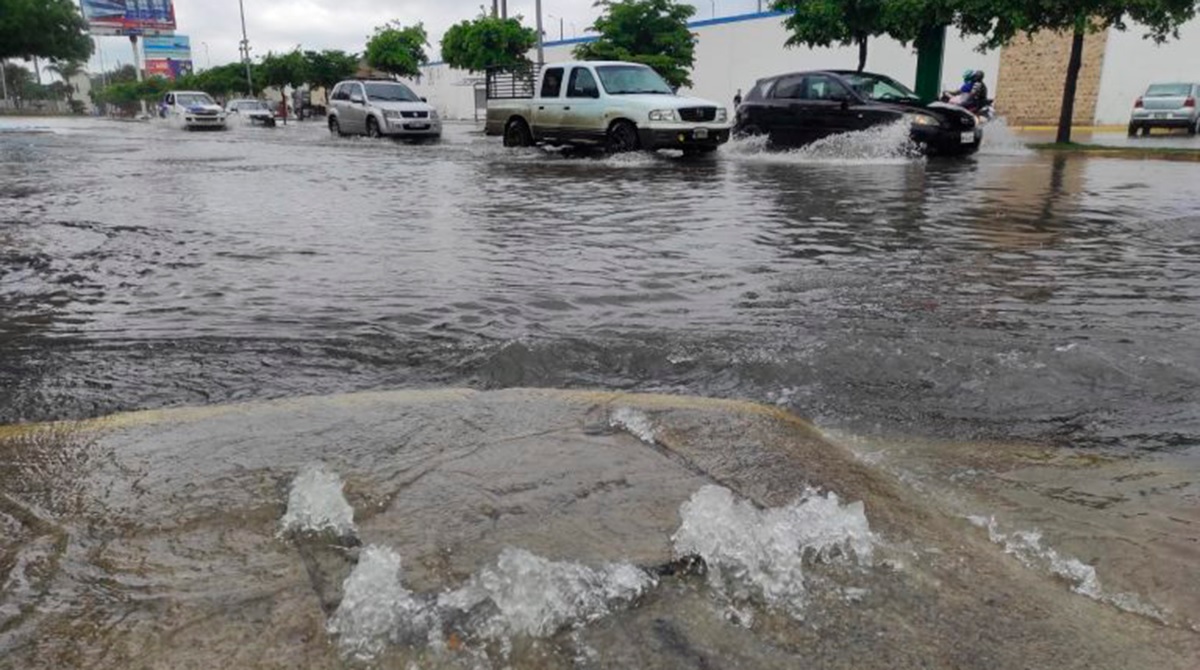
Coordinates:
862 52
1067 113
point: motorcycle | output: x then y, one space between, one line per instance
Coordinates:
984 113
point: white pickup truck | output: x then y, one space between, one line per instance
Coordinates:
616 105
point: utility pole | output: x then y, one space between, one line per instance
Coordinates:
504 9
541 35
245 49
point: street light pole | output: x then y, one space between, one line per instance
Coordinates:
245 49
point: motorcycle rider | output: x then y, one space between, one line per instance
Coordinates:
975 95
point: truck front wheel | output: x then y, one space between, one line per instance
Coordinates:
622 137
516 134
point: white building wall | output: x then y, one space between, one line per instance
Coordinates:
1132 62
733 53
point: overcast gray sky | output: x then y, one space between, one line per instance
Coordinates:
280 25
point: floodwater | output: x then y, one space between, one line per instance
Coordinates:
1012 337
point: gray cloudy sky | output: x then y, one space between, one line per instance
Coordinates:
344 24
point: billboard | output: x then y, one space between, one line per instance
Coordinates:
130 17
167 56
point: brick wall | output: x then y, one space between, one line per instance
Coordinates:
1032 72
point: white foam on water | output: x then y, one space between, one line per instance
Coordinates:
316 503
537 597
890 144
753 553
1027 547
521 594
634 422
376 608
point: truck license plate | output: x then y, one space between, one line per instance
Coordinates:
968 138
701 134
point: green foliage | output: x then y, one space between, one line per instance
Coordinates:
651 32
222 81
397 50
67 70
488 42
128 95
824 23
280 71
326 68
44 29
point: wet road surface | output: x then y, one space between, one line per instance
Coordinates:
1013 338
1008 296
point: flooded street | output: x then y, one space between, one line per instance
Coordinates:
1000 354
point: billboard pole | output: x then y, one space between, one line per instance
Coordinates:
245 49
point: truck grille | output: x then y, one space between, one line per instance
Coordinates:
698 113
415 115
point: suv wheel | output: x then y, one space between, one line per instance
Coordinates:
373 127
334 126
622 137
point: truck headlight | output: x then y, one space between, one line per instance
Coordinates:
722 115
663 115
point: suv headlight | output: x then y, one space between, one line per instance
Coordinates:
433 114
722 115
664 115
388 114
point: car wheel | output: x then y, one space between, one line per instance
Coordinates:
334 126
1133 130
373 127
516 134
1194 128
622 137
749 131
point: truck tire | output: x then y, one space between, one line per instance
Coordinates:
622 137
517 135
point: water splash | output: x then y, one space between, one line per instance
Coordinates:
1027 547
1000 140
764 553
635 423
316 504
888 144
537 597
521 594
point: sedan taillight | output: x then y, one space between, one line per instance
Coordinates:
1137 104
1190 102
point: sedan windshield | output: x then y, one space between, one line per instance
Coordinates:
1169 91
630 79
251 104
879 87
189 99
390 92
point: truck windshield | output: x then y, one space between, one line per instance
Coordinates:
391 93
630 79
189 99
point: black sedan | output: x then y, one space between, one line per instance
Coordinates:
799 108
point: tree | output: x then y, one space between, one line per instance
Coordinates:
488 41
18 81
397 50
326 68
67 70
43 29
279 72
1001 22
651 32
823 23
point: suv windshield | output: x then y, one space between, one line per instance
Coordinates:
390 92
189 99
879 87
627 79
1169 90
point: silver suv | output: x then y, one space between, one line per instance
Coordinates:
377 108
1166 106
